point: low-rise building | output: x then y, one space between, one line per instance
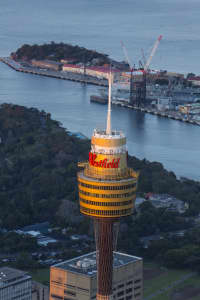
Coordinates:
48 64
95 71
167 201
193 108
15 284
194 80
76 279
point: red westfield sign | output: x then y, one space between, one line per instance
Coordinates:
105 163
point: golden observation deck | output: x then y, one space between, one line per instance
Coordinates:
107 187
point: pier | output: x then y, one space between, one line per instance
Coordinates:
172 115
86 79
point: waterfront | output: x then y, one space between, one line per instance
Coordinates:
173 143
149 136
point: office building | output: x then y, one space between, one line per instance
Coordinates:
14 284
76 279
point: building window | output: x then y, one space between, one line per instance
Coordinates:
81 289
69 293
56 296
106 212
108 187
120 286
129 290
57 282
129 297
137 281
125 195
70 286
138 294
120 293
122 203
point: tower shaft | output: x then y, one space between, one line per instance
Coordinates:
104 247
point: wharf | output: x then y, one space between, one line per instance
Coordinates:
55 74
171 115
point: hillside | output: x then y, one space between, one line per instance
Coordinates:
38 162
58 51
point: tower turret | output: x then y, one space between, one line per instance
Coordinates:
107 191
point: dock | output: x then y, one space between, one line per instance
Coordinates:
85 79
158 113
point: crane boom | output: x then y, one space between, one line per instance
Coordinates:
153 51
126 56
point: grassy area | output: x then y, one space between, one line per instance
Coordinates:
41 275
164 279
194 281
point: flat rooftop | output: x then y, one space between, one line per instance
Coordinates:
9 276
86 264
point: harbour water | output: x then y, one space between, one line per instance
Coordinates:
101 26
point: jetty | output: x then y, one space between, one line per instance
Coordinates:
25 68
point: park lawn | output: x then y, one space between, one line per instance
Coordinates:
193 281
163 296
41 275
166 278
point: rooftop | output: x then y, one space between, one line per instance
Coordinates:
10 275
102 134
86 264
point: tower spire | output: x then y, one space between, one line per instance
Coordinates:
108 128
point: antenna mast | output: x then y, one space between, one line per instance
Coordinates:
108 128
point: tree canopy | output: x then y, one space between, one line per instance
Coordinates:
38 166
58 51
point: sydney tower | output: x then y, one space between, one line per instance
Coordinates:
107 191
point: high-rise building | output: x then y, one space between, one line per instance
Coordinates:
107 190
76 279
15 284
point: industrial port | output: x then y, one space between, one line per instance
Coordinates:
162 93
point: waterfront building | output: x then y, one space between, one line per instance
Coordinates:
95 71
76 279
15 284
107 191
48 64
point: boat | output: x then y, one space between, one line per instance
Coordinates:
98 99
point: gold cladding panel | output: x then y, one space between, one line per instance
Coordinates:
105 208
103 142
102 215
